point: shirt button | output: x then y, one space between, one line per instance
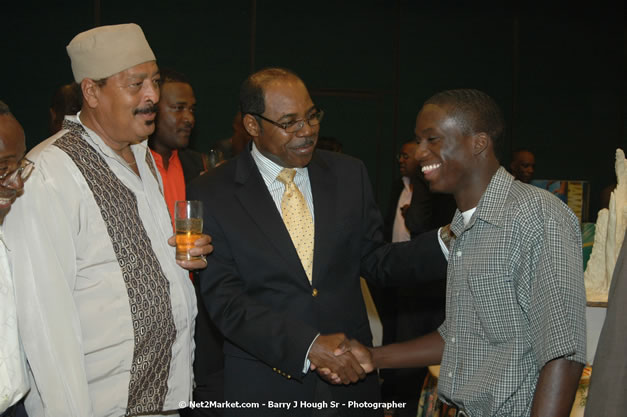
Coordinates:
459 253
314 292
450 374
452 339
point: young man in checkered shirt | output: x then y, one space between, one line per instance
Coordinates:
513 342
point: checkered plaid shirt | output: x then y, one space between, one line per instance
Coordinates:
515 298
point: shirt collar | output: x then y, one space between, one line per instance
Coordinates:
139 149
490 207
159 158
269 169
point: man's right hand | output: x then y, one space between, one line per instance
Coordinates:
332 352
361 353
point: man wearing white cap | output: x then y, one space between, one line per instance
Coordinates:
106 314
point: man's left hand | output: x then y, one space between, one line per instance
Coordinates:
404 209
202 247
326 353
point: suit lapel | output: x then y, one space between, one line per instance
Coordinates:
324 191
256 200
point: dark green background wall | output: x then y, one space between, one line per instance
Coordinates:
557 71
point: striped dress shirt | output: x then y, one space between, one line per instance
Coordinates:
269 171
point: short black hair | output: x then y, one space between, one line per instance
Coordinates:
474 111
251 94
4 109
169 75
519 150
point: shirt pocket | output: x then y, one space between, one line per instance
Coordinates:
494 300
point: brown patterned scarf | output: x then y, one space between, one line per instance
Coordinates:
147 287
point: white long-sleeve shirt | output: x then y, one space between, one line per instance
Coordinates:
76 288
13 377
399 230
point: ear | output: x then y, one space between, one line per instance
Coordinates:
251 125
480 143
90 92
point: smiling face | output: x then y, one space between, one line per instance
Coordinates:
12 150
175 120
444 153
125 106
286 100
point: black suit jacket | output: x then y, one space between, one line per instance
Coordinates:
193 163
256 289
388 222
427 210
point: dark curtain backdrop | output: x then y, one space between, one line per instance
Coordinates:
558 71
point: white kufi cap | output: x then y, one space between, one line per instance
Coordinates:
106 50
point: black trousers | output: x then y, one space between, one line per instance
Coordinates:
208 363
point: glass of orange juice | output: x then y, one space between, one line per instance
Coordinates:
188 227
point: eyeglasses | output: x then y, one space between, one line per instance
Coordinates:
294 126
22 169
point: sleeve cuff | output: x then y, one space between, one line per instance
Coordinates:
307 361
442 245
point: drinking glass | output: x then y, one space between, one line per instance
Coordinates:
188 227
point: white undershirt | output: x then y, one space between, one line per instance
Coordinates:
399 230
466 215
13 376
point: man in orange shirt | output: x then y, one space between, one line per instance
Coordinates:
175 121
177 166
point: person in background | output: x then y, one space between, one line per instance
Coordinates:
178 166
241 138
66 101
105 312
606 395
15 169
387 299
522 165
169 143
395 228
409 312
333 144
231 147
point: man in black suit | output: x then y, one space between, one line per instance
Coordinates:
282 312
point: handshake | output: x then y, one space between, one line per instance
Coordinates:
339 360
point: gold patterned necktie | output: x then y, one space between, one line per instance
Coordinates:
297 219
